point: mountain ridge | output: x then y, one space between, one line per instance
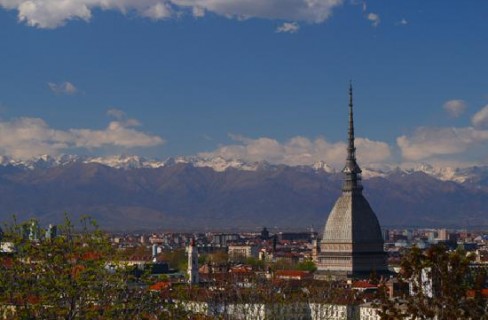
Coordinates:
219 164
181 195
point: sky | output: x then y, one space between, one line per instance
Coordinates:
248 79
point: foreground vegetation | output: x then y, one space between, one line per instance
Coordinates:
75 275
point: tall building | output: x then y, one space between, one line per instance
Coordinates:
442 235
193 277
51 232
352 243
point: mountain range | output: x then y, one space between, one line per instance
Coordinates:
192 193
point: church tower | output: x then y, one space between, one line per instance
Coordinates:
193 263
352 243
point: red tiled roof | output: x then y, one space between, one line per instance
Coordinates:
472 293
363 285
292 273
158 286
241 269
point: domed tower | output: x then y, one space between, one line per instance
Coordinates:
352 243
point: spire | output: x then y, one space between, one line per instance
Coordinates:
352 172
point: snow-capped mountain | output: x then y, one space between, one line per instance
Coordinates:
322 166
219 164
191 192
460 175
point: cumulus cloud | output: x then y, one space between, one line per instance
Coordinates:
23 138
55 13
426 142
157 11
315 11
454 107
374 18
288 27
62 88
480 119
300 151
441 144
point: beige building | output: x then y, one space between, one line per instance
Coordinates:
238 252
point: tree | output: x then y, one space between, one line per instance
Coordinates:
307 265
439 283
76 275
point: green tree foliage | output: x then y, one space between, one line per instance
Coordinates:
307 265
177 259
76 275
439 282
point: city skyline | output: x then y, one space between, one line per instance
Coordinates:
243 80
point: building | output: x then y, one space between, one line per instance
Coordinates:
442 235
241 252
51 232
193 277
352 242
222 239
295 236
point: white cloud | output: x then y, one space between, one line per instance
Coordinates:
427 143
55 13
23 138
198 12
288 27
374 18
116 134
449 144
402 22
157 11
480 119
455 107
300 151
63 88
301 10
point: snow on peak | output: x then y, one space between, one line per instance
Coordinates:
219 164
443 173
369 173
321 165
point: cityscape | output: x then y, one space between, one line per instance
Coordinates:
271 159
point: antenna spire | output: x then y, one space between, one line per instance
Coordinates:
352 172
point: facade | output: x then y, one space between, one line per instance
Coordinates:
238 252
283 311
222 239
352 242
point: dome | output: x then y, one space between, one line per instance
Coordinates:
352 221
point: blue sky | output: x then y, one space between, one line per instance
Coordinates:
250 79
